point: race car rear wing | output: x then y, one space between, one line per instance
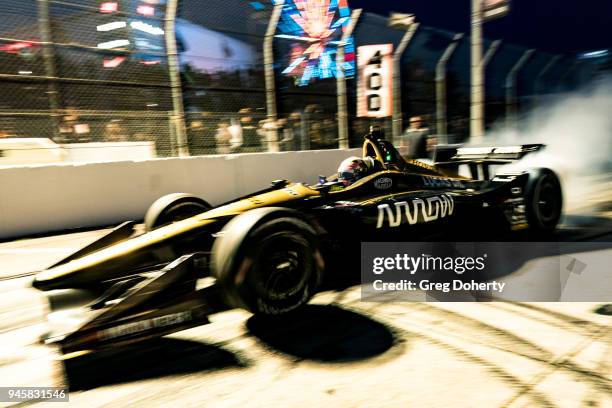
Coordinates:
460 153
480 159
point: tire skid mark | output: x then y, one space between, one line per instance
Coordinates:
603 367
526 388
595 378
501 338
543 356
533 351
561 316
497 370
560 363
580 327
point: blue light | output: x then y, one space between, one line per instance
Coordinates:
314 49
257 5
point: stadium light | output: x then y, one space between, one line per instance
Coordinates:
113 44
146 28
109 7
116 25
148 11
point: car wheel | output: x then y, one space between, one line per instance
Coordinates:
544 200
172 208
271 267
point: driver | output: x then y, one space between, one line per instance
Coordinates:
354 168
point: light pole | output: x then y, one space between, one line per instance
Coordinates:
343 128
441 121
272 114
406 22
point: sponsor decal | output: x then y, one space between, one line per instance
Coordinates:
292 192
383 183
516 213
273 310
436 182
421 164
418 210
144 325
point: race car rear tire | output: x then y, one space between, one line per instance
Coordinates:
543 200
268 261
172 208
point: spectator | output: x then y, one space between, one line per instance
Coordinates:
250 138
223 138
114 132
200 139
286 135
415 137
236 140
72 129
265 132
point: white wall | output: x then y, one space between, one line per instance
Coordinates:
36 199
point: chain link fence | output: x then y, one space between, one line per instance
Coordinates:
100 73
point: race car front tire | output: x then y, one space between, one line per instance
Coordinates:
267 261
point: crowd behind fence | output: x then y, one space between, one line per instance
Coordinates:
93 71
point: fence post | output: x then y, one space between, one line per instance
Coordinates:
44 28
441 121
398 116
272 112
178 114
538 88
343 128
566 74
511 94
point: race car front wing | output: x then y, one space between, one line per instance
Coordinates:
133 309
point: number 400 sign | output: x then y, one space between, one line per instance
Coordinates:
375 85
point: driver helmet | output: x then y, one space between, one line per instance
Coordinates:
353 169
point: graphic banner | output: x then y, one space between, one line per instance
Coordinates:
375 85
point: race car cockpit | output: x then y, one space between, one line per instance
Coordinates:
387 157
379 155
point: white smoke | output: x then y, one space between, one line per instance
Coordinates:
577 130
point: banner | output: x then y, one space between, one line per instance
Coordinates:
375 85
493 9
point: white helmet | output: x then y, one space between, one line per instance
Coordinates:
354 168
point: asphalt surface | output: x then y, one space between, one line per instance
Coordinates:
341 351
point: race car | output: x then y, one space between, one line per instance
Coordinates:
267 252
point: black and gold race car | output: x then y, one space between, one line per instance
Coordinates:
267 252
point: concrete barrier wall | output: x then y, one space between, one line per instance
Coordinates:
38 199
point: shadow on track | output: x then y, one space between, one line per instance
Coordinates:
323 333
152 359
